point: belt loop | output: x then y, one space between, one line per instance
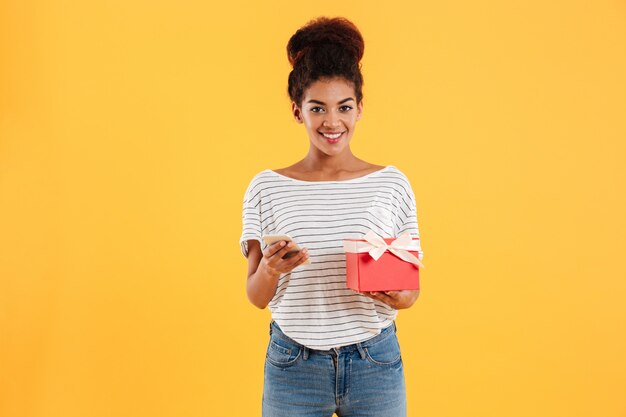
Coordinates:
270 327
361 350
305 354
395 328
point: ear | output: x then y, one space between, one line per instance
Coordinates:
359 110
297 113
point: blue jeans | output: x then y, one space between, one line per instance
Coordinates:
364 379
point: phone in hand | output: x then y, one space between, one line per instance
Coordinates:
271 239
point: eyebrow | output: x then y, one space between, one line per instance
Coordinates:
321 102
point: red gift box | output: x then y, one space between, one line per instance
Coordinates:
382 264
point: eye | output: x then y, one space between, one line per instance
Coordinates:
346 107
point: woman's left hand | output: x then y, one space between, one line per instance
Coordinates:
394 299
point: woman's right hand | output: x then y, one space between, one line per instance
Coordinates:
274 262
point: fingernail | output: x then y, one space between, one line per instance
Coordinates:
282 243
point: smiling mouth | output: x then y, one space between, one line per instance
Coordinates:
332 137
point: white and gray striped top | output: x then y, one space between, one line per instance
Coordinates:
312 304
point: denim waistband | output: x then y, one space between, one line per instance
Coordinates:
385 332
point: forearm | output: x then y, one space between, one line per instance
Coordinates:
261 287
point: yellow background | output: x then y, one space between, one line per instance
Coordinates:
129 131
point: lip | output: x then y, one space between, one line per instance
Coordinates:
332 141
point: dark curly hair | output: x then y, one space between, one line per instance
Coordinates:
325 48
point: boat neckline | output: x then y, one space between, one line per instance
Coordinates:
333 181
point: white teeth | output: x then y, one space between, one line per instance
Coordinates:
335 136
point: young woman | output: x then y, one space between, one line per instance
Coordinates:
331 349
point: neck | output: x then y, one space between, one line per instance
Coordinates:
321 162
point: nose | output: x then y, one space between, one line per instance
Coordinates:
331 120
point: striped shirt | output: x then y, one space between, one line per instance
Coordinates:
312 304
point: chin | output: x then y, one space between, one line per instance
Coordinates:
331 150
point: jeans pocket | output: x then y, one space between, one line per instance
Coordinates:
385 352
281 353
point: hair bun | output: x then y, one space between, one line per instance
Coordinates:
322 35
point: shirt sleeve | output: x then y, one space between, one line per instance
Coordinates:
251 217
406 218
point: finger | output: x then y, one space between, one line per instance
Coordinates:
381 296
298 258
276 259
377 294
273 248
370 294
294 253
280 253
305 255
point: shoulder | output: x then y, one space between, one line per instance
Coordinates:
394 169
393 172
259 181
400 179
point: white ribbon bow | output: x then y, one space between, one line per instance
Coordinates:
376 246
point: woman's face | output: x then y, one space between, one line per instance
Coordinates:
329 106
